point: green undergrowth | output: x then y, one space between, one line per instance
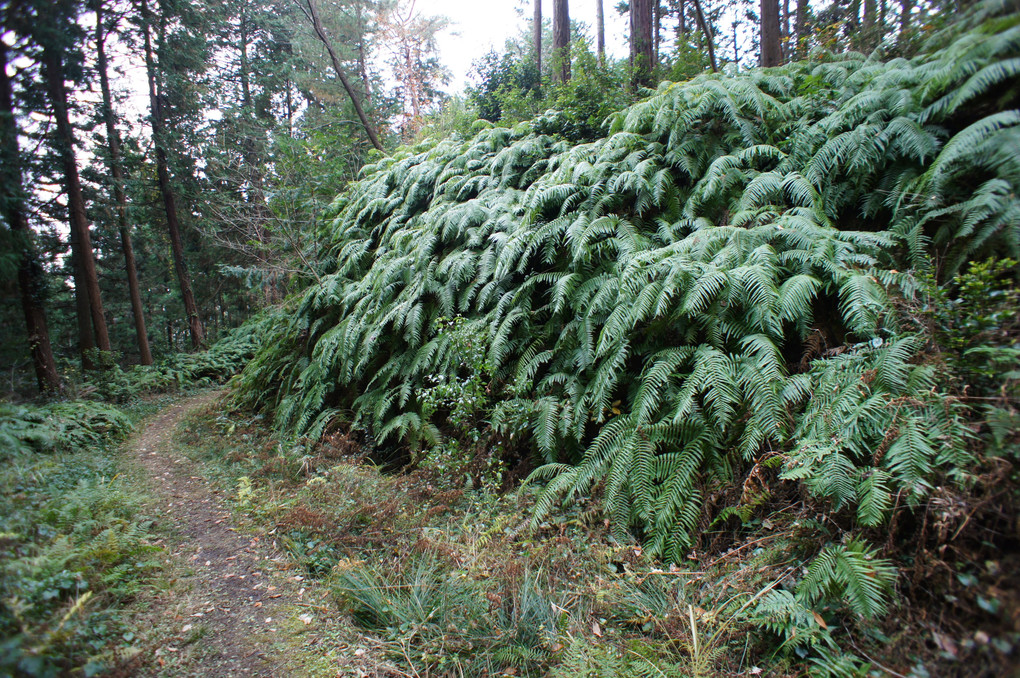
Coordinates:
438 577
787 291
76 539
181 371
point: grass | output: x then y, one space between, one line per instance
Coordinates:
432 578
77 545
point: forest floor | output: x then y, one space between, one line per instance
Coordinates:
233 604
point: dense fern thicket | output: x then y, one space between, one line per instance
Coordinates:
726 282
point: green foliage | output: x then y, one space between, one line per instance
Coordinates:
510 90
74 544
727 274
59 427
582 659
217 364
439 618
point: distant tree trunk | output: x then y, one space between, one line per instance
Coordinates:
362 61
657 30
868 27
681 20
536 35
167 192
703 26
906 7
853 17
771 46
642 57
117 173
53 68
561 41
600 32
802 27
736 46
312 12
31 283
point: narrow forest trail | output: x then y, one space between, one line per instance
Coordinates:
233 605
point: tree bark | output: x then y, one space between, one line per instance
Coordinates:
561 41
642 56
703 25
785 30
536 35
681 20
771 46
117 174
869 27
600 32
167 192
312 12
31 281
906 7
53 67
657 30
802 28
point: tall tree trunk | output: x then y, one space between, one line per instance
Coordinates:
53 68
362 60
868 27
771 46
167 192
853 19
561 41
536 35
681 20
802 27
31 281
117 173
600 32
657 30
787 43
906 7
699 15
642 57
312 12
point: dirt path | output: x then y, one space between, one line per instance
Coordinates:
233 597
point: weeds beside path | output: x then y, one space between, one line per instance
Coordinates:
233 602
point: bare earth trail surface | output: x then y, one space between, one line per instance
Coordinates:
234 603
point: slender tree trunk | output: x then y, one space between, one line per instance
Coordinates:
362 61
31 281
787 52
167 192
853 18
561 41
312 12
802 28
117 173
868 27
657 30
771 47
906 7
53 67
642 56
736 46
600 32
681 20
699 15
536 35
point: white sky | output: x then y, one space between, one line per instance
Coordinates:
481 25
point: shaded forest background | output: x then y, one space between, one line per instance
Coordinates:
207 138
